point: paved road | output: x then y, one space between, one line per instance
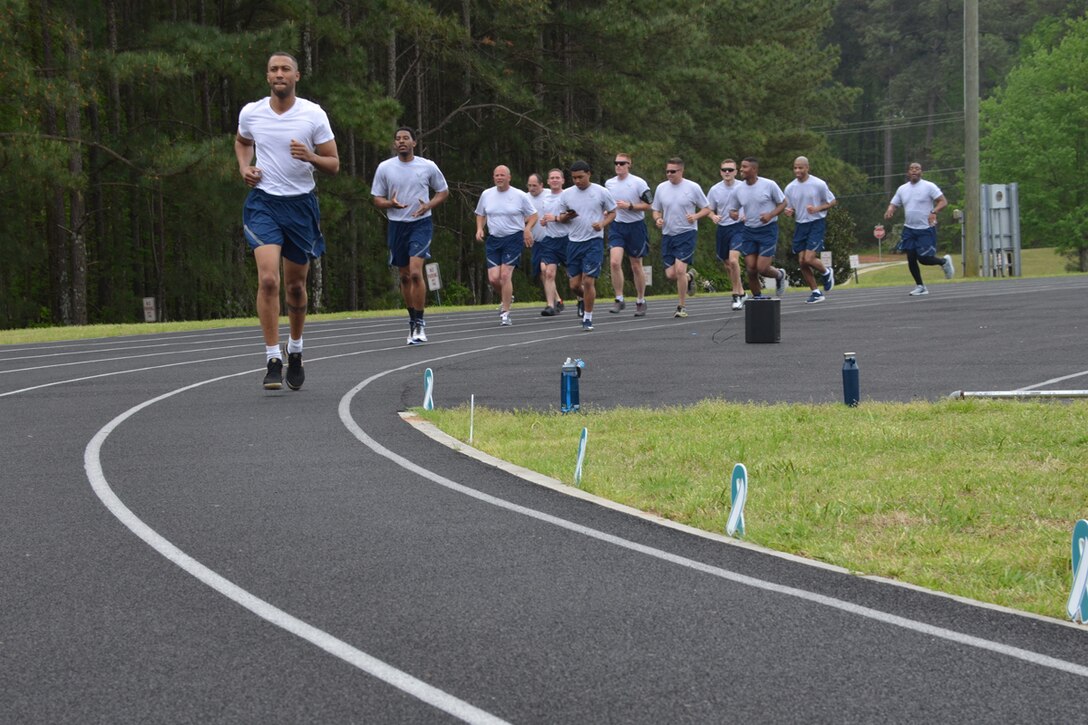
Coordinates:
180 546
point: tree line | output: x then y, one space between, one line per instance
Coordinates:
119 115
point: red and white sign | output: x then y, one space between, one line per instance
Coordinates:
878 231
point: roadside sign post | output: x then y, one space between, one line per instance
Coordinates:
434 280
878 232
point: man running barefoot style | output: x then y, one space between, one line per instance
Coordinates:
288 137
588 209
402 187
758 202
807 200
627 234
729 231
678 206
509 216
921 200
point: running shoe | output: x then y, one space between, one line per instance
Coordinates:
411 333
640 309
273 379
617 307
815 298
587 325
296 376
829 279
691 282
948 267
738 302
680 312
548 311
919 291
504 319
781 284
558 306
581 308
419 332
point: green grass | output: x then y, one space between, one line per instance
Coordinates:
1033 263
973 498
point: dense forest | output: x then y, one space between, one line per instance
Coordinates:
118 119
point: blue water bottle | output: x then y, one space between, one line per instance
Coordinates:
568 391
851 383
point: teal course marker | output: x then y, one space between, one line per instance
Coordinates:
1077 606
739 494
428 389
581 458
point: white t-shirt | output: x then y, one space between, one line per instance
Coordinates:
630 189
506 211
917 200
812 191
411 182
271 134
538 204
591 204
755 199
553 204
720 201
675 202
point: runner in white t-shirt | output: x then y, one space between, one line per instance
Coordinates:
509 216
921 200
627 234
550 249
730 232
807 200
678 206
402 187
588 209
288 137
758 203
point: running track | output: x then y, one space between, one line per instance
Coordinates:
179 545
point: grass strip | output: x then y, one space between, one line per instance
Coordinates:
976 498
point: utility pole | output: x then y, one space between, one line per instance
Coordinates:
971 182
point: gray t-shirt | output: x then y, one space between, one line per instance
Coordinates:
675 202
812 191
630 189
411 182
917 200
756 199
591 204
720 201
506 211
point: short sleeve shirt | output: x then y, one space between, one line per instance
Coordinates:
720 201
917 200
630 189
757 199
271 134
812 191
675 202
591 204
411 182
506 211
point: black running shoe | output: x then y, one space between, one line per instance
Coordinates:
296 376
273 379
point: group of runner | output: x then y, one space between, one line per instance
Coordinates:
291 137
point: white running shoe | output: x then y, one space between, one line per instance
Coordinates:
949 268
919 291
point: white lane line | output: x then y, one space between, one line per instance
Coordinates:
92 463
1052 381
848 607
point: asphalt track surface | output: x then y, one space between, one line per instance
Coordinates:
179 545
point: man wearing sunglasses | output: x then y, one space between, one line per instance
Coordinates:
627 234
729 231
808 199
678 206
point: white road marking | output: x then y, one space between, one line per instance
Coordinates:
849 607
399 679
